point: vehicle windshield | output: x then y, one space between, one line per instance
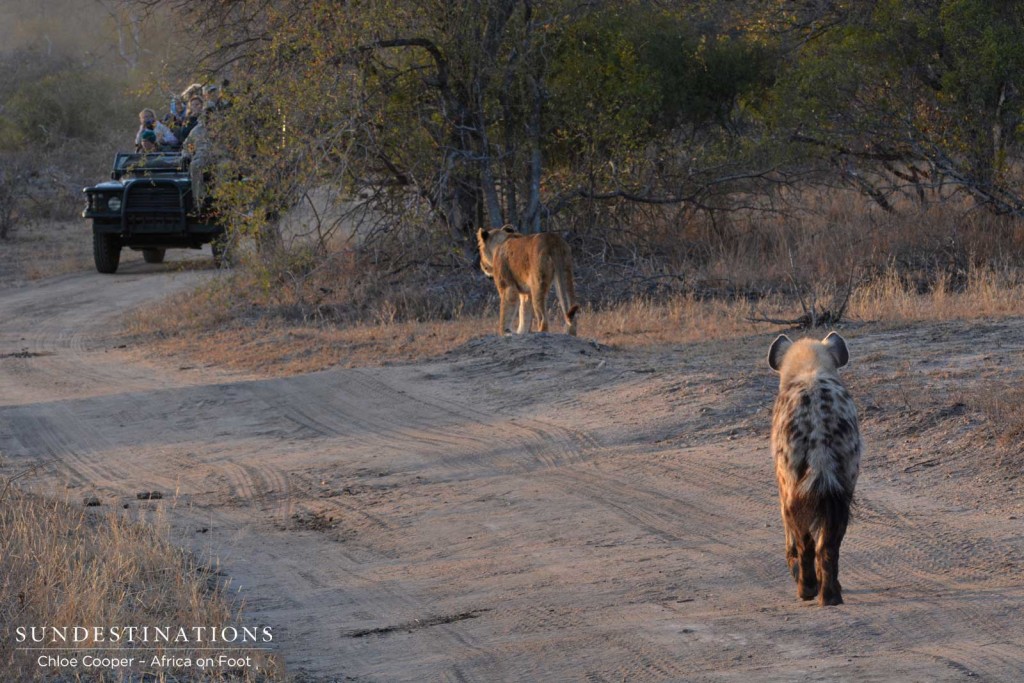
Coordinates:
152 163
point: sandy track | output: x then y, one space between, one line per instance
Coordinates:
541 508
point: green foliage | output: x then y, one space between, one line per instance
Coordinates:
985 47
626 76
437 116
984 44
937 81
487 112
701 77
69 104
603 96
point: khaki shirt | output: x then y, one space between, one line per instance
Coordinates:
197 148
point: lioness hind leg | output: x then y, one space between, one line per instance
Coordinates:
538 311
570 320
505 303
525 314
566 295
540 288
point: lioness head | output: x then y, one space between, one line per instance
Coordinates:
488 241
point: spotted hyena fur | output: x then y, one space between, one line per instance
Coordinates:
816 444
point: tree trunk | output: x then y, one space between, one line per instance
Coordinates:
998 143
531 215
488 186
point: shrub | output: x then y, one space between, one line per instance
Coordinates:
70 104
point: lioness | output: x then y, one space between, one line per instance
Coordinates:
527 265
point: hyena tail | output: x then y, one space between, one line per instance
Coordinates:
834 510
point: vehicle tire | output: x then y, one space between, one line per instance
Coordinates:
106 251
153 255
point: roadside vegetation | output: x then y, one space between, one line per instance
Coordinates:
718 168
65 565
778 163
841 259
73 77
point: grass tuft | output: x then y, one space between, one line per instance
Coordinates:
64 565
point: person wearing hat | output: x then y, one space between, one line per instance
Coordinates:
148 122
147 141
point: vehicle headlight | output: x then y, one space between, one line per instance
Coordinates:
114 203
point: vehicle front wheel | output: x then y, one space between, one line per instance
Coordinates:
153 255
106 251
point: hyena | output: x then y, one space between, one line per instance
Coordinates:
816 445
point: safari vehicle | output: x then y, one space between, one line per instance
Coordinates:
147 206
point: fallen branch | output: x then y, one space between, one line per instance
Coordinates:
10 480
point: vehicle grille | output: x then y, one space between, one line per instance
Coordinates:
161 198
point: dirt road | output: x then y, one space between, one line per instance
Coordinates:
541 508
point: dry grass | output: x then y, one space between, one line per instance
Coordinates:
985 293
679 319
43 249
299 310
1000 404
62 565
200 328
205 327
272 348
277 348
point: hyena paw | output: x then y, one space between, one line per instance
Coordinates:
831 599
808 591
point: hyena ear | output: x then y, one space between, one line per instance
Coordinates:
509 229
777 351
836 345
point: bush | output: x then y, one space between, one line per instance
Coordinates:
14 181
70 104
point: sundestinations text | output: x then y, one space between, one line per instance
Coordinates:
228 635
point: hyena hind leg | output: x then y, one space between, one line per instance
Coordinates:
792 554
837 518
807 584
793 536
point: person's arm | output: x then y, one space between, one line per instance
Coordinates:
166 135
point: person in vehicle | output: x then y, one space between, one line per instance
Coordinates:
213 97
194 90
176 117
147 141
197 150
194 112
148 122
